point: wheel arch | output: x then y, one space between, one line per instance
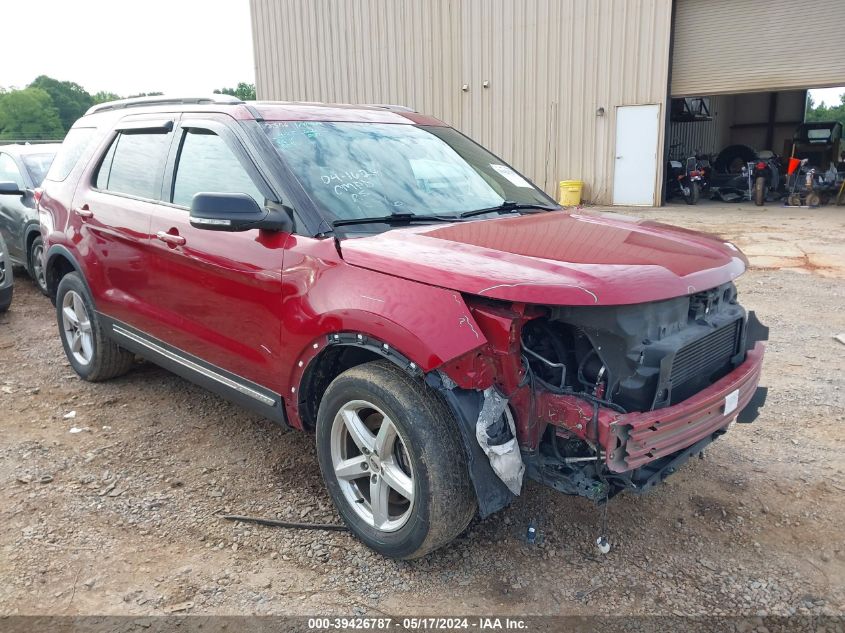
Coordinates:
59 262
31 231
345 350
341 351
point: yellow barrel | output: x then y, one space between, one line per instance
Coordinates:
570 192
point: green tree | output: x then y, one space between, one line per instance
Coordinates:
70 99
103 97
244 91
823 112
29 114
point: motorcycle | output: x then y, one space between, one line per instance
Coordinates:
740 173
763 176
684 180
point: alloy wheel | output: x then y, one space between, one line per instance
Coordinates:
77 328
372 466
38 266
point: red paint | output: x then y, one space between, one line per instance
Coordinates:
654 434
262 304
554 258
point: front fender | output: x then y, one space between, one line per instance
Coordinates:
323 296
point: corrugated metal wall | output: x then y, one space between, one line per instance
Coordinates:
724 46
689 137
549 66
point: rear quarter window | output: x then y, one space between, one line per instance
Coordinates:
75 142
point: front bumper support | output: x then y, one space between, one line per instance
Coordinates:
635 439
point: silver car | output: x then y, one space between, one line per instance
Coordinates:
7 283
22 168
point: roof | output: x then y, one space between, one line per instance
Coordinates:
363 113
272 110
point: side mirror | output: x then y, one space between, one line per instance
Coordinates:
9 188
235 212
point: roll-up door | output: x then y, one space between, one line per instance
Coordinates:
729 46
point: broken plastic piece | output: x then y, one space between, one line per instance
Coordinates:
499 441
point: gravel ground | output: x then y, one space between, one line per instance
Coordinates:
119 517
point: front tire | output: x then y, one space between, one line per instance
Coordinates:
694 193
393 462
36 265
93 355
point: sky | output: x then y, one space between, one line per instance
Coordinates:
171 46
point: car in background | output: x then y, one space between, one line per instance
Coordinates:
22 168
7 283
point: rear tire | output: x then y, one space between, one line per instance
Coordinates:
36 265
93 355
794 200
813 199
429 498
760 191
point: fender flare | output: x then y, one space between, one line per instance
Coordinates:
57 250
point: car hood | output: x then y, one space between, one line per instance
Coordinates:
554 258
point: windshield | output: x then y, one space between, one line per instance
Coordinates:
37 166
365 170
818 135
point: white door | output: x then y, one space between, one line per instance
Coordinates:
635 171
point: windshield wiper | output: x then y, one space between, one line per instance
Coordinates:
395 218
508 206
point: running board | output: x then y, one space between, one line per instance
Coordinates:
226 384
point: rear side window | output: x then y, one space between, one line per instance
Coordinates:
72 147
206 164
37 166
133 164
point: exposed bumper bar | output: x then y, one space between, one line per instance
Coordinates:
634 439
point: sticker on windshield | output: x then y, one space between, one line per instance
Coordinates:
511 175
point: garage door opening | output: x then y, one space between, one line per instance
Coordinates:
739 146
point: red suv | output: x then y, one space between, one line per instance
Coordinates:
372 275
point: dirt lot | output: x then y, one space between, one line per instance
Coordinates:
120 517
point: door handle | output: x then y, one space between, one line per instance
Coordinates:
170 239
84 212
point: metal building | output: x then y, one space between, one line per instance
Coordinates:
561 89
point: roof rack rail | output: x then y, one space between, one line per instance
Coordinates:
136 102
391 106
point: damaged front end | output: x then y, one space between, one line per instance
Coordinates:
594 400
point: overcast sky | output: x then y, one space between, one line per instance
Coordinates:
171 46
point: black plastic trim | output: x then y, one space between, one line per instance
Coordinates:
58 249
354 339
491 492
